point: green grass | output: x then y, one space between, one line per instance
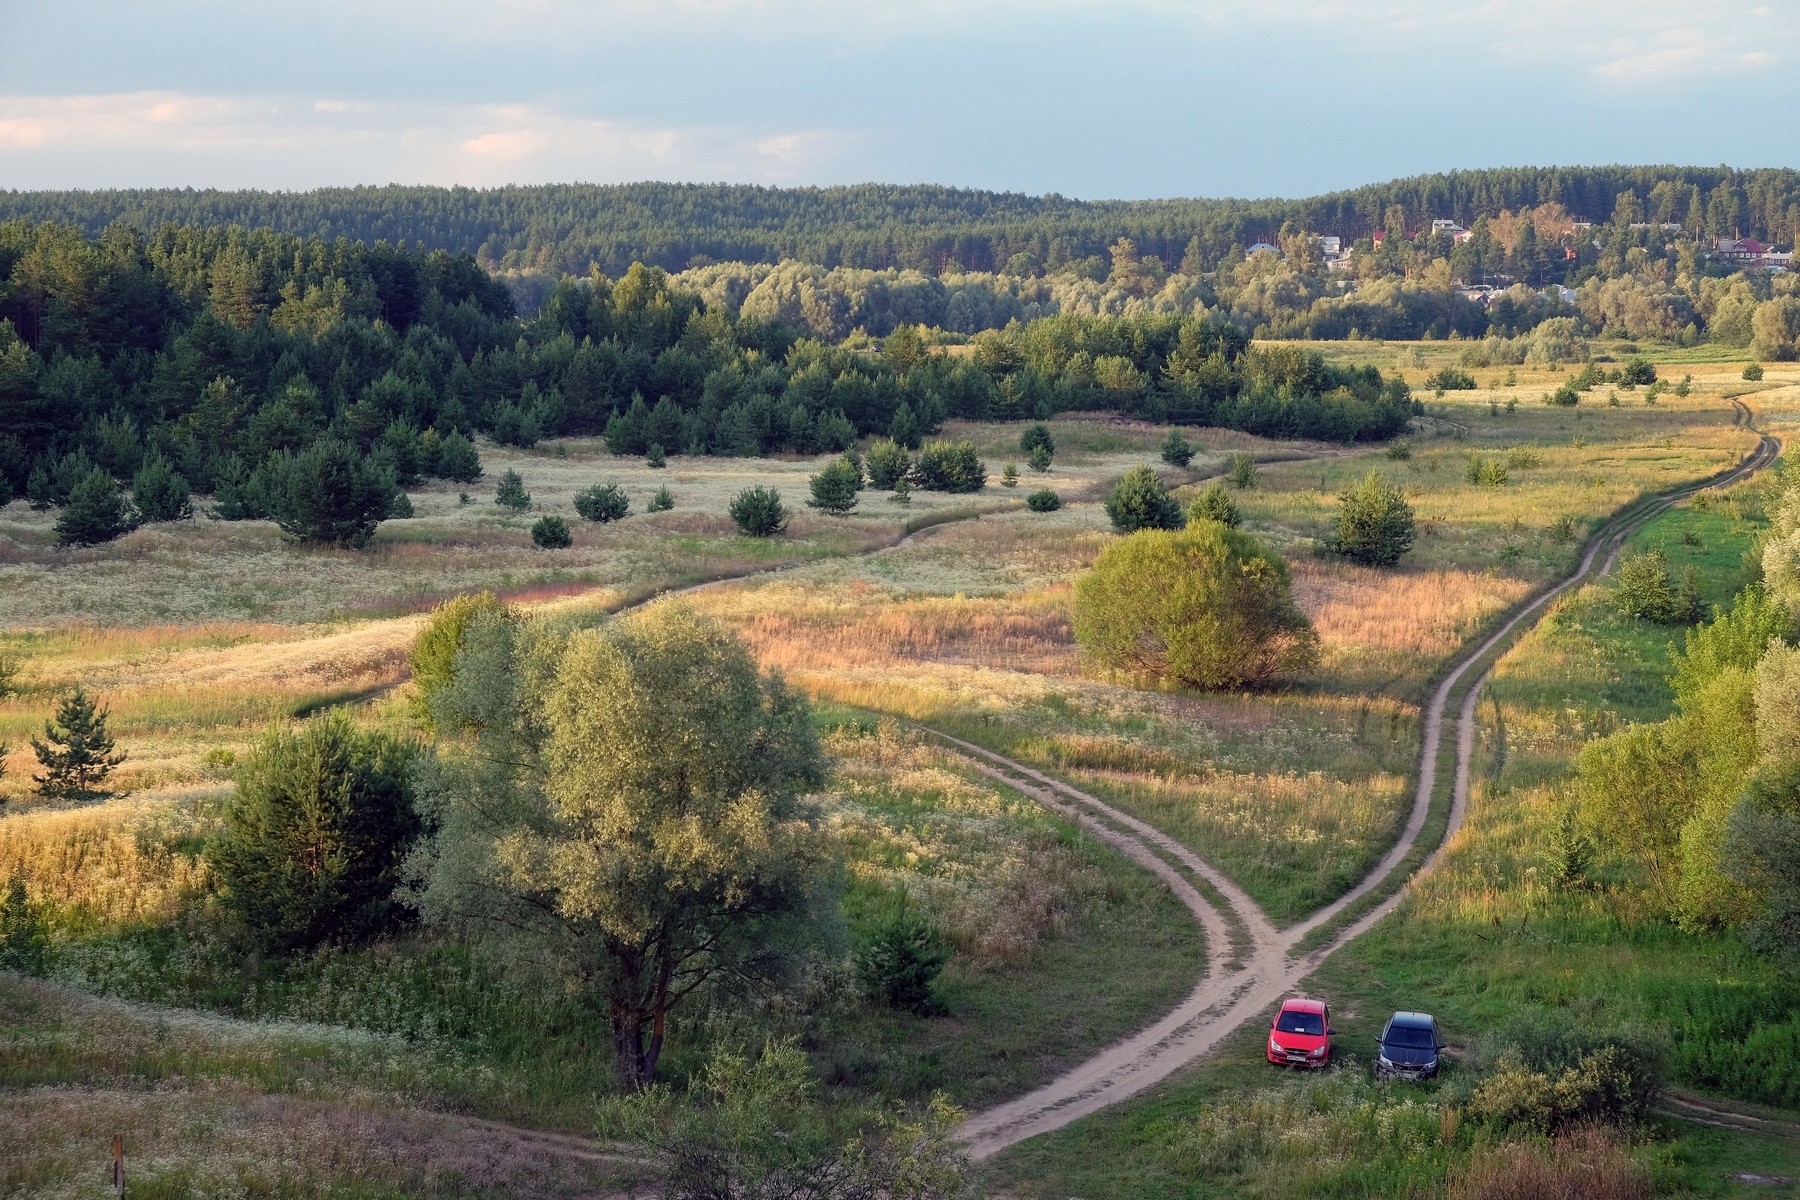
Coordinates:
1483 942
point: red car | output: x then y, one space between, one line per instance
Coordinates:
1300 1035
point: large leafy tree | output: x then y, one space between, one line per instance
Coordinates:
1207 607
315 835
76 751
628 813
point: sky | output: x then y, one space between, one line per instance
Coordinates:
1091 99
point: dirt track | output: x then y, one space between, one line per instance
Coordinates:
1243 981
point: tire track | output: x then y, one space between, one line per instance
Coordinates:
1266 965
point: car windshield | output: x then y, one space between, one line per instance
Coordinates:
1409 1035
1311 1024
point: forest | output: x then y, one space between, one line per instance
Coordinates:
221 355
573 228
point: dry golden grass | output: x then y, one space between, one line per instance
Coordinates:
112 863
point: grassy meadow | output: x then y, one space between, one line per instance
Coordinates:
367 1072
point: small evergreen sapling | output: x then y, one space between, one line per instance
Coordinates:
834 488
1010 476
1243 471
662 501
1043 500
899 959
551 533
511 493
888 463
758 512
1140 501
654 456
1177 451
603 502
76 752
1215 504
95 512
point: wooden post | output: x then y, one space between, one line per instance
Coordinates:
118 1174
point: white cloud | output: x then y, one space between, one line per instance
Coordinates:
305 141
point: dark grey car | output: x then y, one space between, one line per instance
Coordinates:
1409 1047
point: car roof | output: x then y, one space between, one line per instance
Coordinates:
1301 1004
1418 1019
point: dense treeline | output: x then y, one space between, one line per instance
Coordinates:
263 369
572 228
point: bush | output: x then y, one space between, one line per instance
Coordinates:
1208 607
834 488
435 649
24 933
1177 451
1638 371
662 501
1214 503
1487 472
758 512
899 958
1243 471
1140 501
1753 372
1545 1076
654 456
458 460
315 835
1039 459
887 463
603 502
1374 523
551 533
1036 435
1646 591
1565 397
950 467
329 493
1043 500
511 495
158 493
1399 450
1451 379
95 512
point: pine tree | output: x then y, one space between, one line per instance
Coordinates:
76 751
834 489
159 493
1177 451
95 512
511 493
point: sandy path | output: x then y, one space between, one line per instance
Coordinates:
1237 987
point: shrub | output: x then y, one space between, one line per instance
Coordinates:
1374 523
1177 451
758 512
95 512
458 460
1562 530
434 650
1043 500
1487 472
1140 501
1451 379
1547 1076
1646 591
1565 396
887 462
1399 450
1207 607
158 493
898 959
654 456
24 933
1521 458
510 494
1010 476
1753 372
662 501
1243 471
834 488
315 834
1039 459
1037 435
551 533
1638 371
1214 503
950 467
603 502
